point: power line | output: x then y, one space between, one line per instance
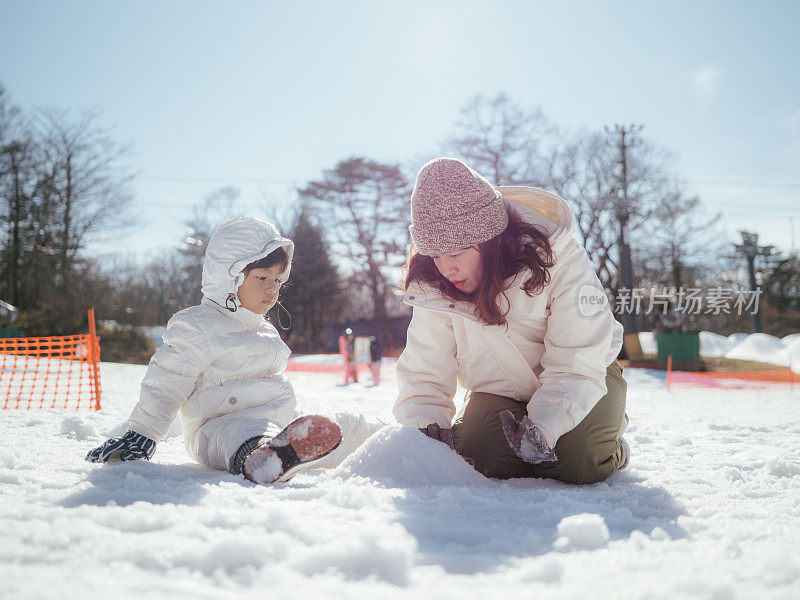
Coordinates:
749 208
182 179
749 184
267 180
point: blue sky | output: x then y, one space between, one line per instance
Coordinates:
265 95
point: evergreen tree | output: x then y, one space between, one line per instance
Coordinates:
314 292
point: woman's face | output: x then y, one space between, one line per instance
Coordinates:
463 268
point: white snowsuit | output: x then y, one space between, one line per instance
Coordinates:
222 370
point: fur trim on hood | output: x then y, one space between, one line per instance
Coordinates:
542 208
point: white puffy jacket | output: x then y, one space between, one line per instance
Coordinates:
552 354
221 370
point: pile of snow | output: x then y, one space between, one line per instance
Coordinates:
759 347
737 338
790 352
714 344
582 532
79 428
647 340
706 509
399 457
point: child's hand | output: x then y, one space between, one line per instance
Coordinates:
131 446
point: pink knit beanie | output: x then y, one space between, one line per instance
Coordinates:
452 208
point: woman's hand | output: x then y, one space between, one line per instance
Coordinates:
442 434
526 439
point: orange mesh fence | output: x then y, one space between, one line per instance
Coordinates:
315 367
329 364
51 372
742 380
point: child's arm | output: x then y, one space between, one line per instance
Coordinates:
171 377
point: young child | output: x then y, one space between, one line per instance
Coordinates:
221 369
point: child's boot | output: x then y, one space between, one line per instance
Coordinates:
299 446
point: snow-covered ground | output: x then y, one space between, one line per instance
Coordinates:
709 508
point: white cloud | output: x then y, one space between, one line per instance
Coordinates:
792 121
706 82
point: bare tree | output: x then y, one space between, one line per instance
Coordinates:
501 141
362 207
17 188
581 170
85 188
214 209
679 245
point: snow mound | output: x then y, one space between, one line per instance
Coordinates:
402 456
790 353
647 340
78 428
714 344
792 337
759 347
582 532
737 338
778 467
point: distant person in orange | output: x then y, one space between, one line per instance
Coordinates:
347 350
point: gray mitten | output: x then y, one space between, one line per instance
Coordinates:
442 434
526 439
131 446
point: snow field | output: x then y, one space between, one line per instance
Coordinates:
708 508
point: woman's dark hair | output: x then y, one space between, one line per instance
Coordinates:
522 246
276 257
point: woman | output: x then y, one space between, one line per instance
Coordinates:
507 303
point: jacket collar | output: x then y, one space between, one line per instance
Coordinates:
241 315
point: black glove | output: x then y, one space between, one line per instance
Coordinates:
131 446
442 434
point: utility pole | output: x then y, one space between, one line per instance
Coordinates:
750 248
627 139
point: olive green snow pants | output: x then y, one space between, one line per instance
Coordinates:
589 453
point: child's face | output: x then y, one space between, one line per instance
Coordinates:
259 290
